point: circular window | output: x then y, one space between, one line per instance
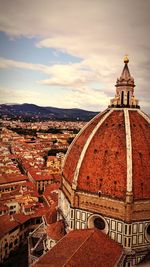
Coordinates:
148 229
148 232
99 223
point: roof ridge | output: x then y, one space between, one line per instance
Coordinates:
91 233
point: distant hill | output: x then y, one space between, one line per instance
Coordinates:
28 111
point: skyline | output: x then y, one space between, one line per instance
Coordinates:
69 54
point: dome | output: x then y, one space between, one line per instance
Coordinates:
97 160
110 155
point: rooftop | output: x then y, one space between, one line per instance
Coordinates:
82 248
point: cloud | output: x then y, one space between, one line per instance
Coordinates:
13 95
98 32
92 99
82 27
69 75
72 75
8 63
7 94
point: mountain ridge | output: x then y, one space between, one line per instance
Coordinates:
28 110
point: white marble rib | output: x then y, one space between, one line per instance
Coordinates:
128 150
144 115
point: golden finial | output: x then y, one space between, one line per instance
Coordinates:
126 59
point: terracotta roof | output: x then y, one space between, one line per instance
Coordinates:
51 215
12 178
103 165
140 136
40 212
75 149
6 224
50 188
21 218
56 230
30 185
81 248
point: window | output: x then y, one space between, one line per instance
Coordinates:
125 230
99 193
71 213
71 224
128 98
122 97
147 232
148 229
129 242
129 229
99 223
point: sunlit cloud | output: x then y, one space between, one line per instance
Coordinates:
98 32
8 63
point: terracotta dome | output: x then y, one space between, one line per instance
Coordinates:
110 156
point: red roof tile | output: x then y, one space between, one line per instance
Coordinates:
81 248
56 230
12 178
140 136
105 160
51 215
104 165
7 223
76 149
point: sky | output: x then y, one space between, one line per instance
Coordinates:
69 53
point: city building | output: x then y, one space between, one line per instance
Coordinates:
14 231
